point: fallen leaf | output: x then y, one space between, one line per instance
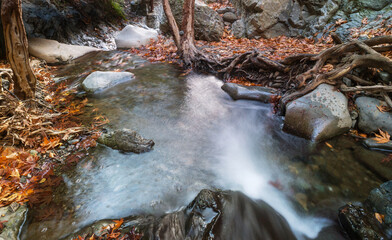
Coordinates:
379 217
329 145
118 224
383 108
383 137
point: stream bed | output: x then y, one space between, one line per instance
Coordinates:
203 139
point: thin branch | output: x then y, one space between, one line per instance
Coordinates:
359 80
387 99
374 88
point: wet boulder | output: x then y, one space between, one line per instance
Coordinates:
257 93
359 223
371 219
222 214
126 140
381 200
208 24
319 115
12 218
133 36
54 52
99 80
372 143
370 118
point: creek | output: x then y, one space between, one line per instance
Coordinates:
203 139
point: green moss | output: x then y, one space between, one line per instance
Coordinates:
117 8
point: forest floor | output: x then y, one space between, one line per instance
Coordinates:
39 139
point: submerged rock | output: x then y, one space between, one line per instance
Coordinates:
12 218
126 140
319 115
98 81
54 52
370 118
371 219
257 93
211 215
133 36
367 159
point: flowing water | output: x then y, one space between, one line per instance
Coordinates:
203 139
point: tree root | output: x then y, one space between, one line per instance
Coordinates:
305 72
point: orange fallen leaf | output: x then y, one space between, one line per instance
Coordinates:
383 137
340 22
383 109
118 224
329 145
379 217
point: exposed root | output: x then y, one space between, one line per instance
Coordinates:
300 74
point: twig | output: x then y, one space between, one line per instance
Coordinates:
359 80
12 94
54 132
387 99
375 88
44 105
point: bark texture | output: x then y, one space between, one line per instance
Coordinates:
17 49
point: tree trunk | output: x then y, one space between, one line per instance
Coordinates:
172 22
17 49
187 45
184 41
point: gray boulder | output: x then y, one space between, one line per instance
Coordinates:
319 115
54 52
99 81
225 10
370 118
133 36
229 17
257 93
126 140
374 4
13 217
259 16
209 25
238 29
272 18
